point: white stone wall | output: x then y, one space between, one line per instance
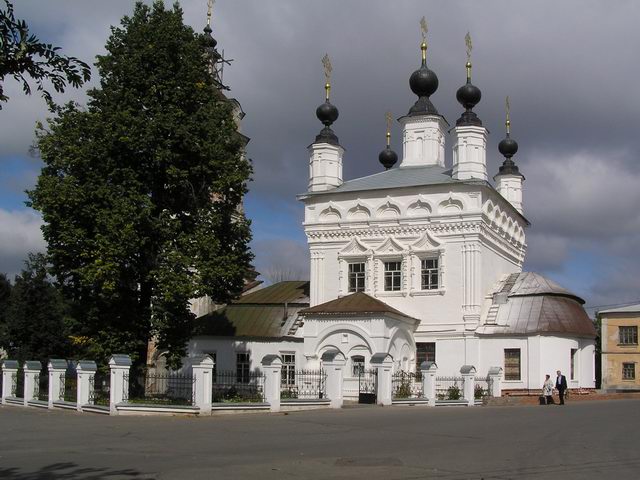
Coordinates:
541 355
226 348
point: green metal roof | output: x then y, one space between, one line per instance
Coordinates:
294 291
265 313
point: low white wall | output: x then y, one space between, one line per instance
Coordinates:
226 348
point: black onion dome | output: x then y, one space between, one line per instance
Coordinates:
327 113
468 95
209 40
424 83
388 158
508 147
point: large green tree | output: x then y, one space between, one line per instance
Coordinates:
140 189
36 317
24 56
5 293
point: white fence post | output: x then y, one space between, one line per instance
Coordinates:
9 369
469 384
428 371
272 366
495 381
383 363
86 371
333 363
118 391
32 370
202 369
57 368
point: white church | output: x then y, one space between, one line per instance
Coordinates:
419 262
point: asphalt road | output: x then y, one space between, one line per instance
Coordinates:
577 441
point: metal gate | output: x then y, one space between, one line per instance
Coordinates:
367 386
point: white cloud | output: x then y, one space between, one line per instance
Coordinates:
19 235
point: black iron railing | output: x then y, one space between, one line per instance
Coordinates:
41 386
69 386
228 387
306 385
17 384
99 389
406 385
158 388
449 388
482 387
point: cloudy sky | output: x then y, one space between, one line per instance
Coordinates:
570 69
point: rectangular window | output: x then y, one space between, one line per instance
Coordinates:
430 274
628 335
573 363
243 364
357 365
512 364
288 369
357 272
425 352
628 371
392 276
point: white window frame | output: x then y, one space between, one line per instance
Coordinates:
416 272
240 377
423 269
394 275
633 367
354 261
288 377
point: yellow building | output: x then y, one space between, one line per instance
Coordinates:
620 350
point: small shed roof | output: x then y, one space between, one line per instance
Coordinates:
354 304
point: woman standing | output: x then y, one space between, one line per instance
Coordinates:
547 390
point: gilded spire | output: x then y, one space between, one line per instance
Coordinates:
467 41
209 11
326 63
507 122
424 28
388 119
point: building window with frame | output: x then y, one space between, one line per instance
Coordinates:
574 352
357 276
425 352
430 274
628 371
392 276
243 366
288 369
512 364
628 335
357 365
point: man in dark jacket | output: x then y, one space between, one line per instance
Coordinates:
561 386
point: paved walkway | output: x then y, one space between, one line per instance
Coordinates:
577 441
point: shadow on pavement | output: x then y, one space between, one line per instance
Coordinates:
72 471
